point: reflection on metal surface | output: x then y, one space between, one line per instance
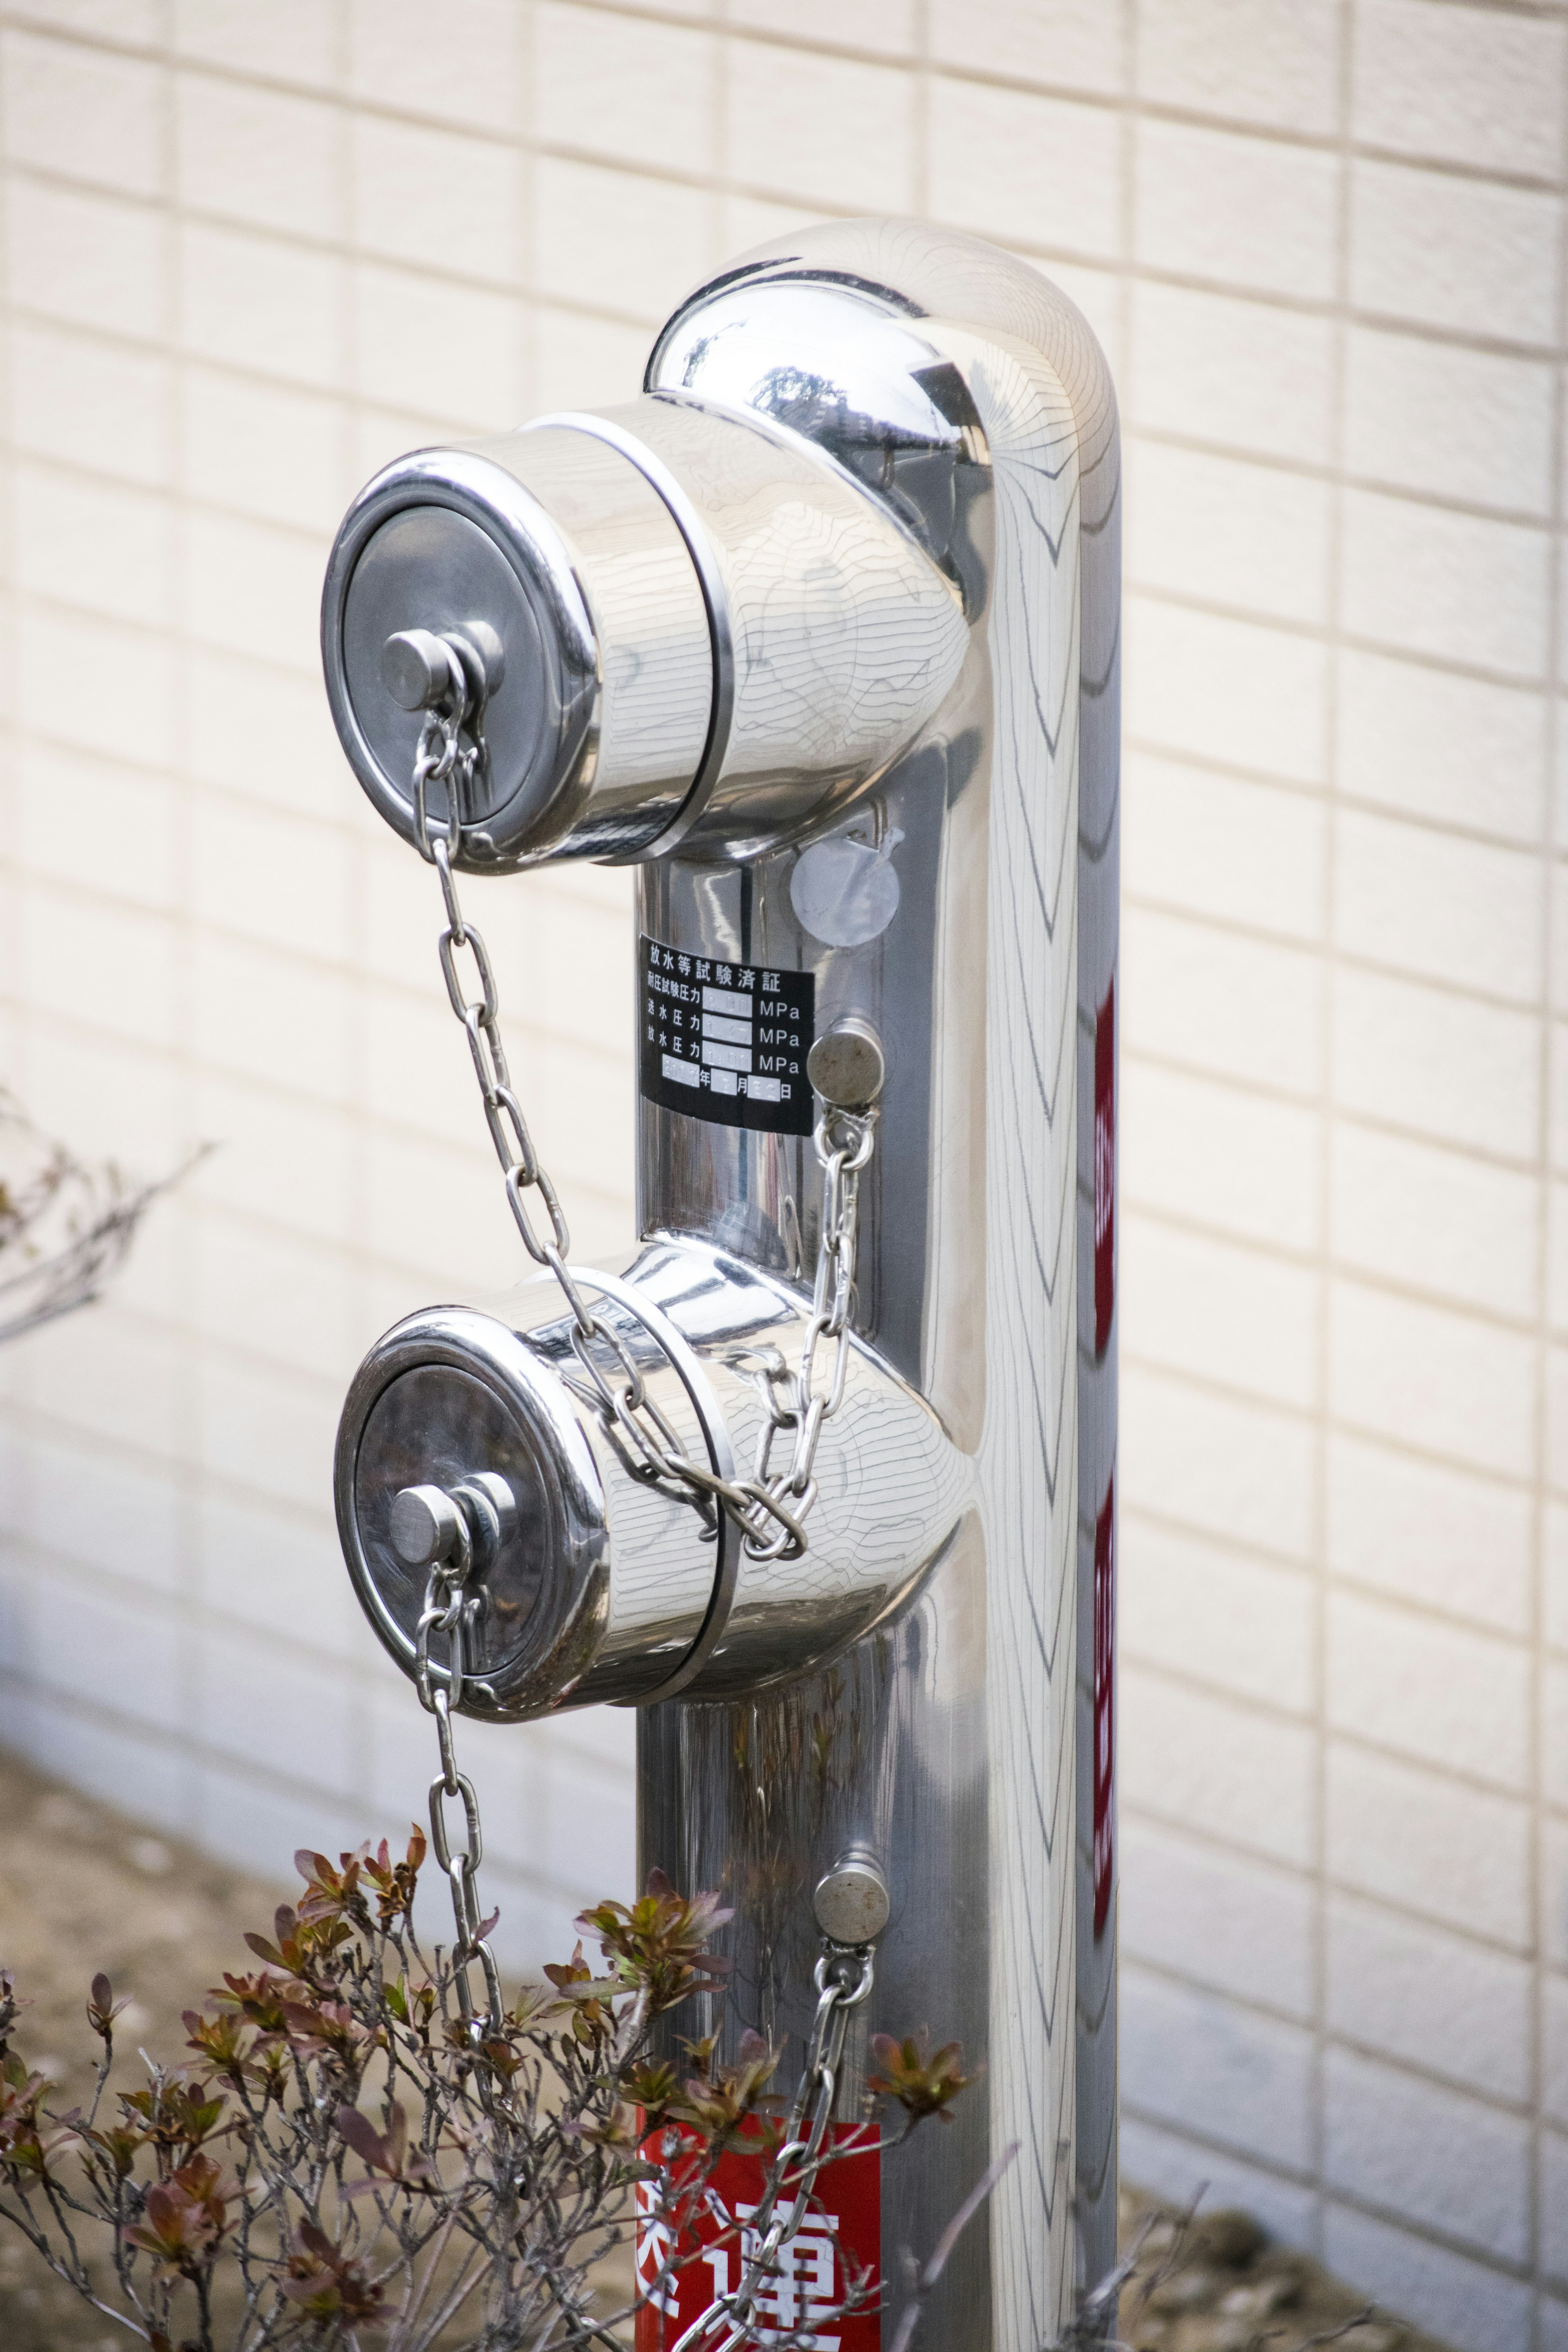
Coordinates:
824 630
607 1588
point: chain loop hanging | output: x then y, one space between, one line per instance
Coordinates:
771 1507
844 1978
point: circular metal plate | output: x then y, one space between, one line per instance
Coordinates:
433 569
448 539
437 1427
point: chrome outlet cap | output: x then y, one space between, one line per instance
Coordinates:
585 1585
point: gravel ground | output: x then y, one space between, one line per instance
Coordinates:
82 1888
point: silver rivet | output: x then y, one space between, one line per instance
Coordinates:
424 1526
852 1900
416 670
847 1066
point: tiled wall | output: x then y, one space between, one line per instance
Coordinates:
255 246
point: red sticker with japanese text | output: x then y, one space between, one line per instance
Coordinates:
1104 1168
1104 1707
699 2246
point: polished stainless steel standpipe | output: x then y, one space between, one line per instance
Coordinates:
822 634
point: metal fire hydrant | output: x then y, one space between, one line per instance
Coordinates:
821 634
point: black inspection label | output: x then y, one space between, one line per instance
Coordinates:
726 1041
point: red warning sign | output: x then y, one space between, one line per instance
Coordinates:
1104 1168
688 2256
1104 1707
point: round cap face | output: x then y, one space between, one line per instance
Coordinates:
436 1426
433 569
448 543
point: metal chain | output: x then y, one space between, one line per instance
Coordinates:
447 1609
844 1977
770 1507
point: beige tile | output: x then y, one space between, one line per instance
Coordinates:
436 200
407 1074
635 93
103 265
87 113
1242 1008
1450 1385
264 450
1204 1765
1427 1532
1178 2167
1244 1471
1555 1574
1225 689
1557 1417
390 60
1220 1312
91 544
1438 1694
1464 912
1557 1257
1434 743
1460 85
257 156
1435 1220
1453 253
90 401
1217 1617
1205 2065
1443 2161
106 1512
109 968
827 129
1210 1154
267 1431
1429 1999
121 837
585 362
289 40
1554 1734
268 1720
1427 415
1269 63
1244 374
123 1660
884 24
1033 171
1228 532
251 589
136 23
1238 1927
1401 1834
251 1283
269 1017
235 714
478 1246
1454 587
128 713
1073 44
1246 213
262 1563
467 362
1551 2203
1444 1065
270 877
622 240
285 1160
251 303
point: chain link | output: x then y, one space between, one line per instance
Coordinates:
771 1507
844 1978
448 1609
